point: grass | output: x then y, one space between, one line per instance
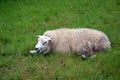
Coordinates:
22 20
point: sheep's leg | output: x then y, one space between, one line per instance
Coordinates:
103 44
46 51
32 51
83 53
92 56
84 56
86 53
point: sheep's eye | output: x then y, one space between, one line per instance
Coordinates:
44 43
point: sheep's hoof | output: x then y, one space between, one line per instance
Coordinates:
93 56
32 51
84 57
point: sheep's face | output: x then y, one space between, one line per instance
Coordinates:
43 44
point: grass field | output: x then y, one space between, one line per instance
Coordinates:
22 20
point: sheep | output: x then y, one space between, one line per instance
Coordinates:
82 41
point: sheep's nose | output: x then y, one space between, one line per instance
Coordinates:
36 48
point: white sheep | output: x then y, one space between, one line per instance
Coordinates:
82 41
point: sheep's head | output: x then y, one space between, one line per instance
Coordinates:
43 45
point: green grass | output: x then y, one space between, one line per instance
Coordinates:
22 20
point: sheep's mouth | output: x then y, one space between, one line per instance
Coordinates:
38 51
41 50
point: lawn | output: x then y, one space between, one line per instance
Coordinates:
22 20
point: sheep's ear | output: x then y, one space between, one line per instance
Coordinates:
38 36
49 39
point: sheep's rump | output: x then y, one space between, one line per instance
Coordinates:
82 40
